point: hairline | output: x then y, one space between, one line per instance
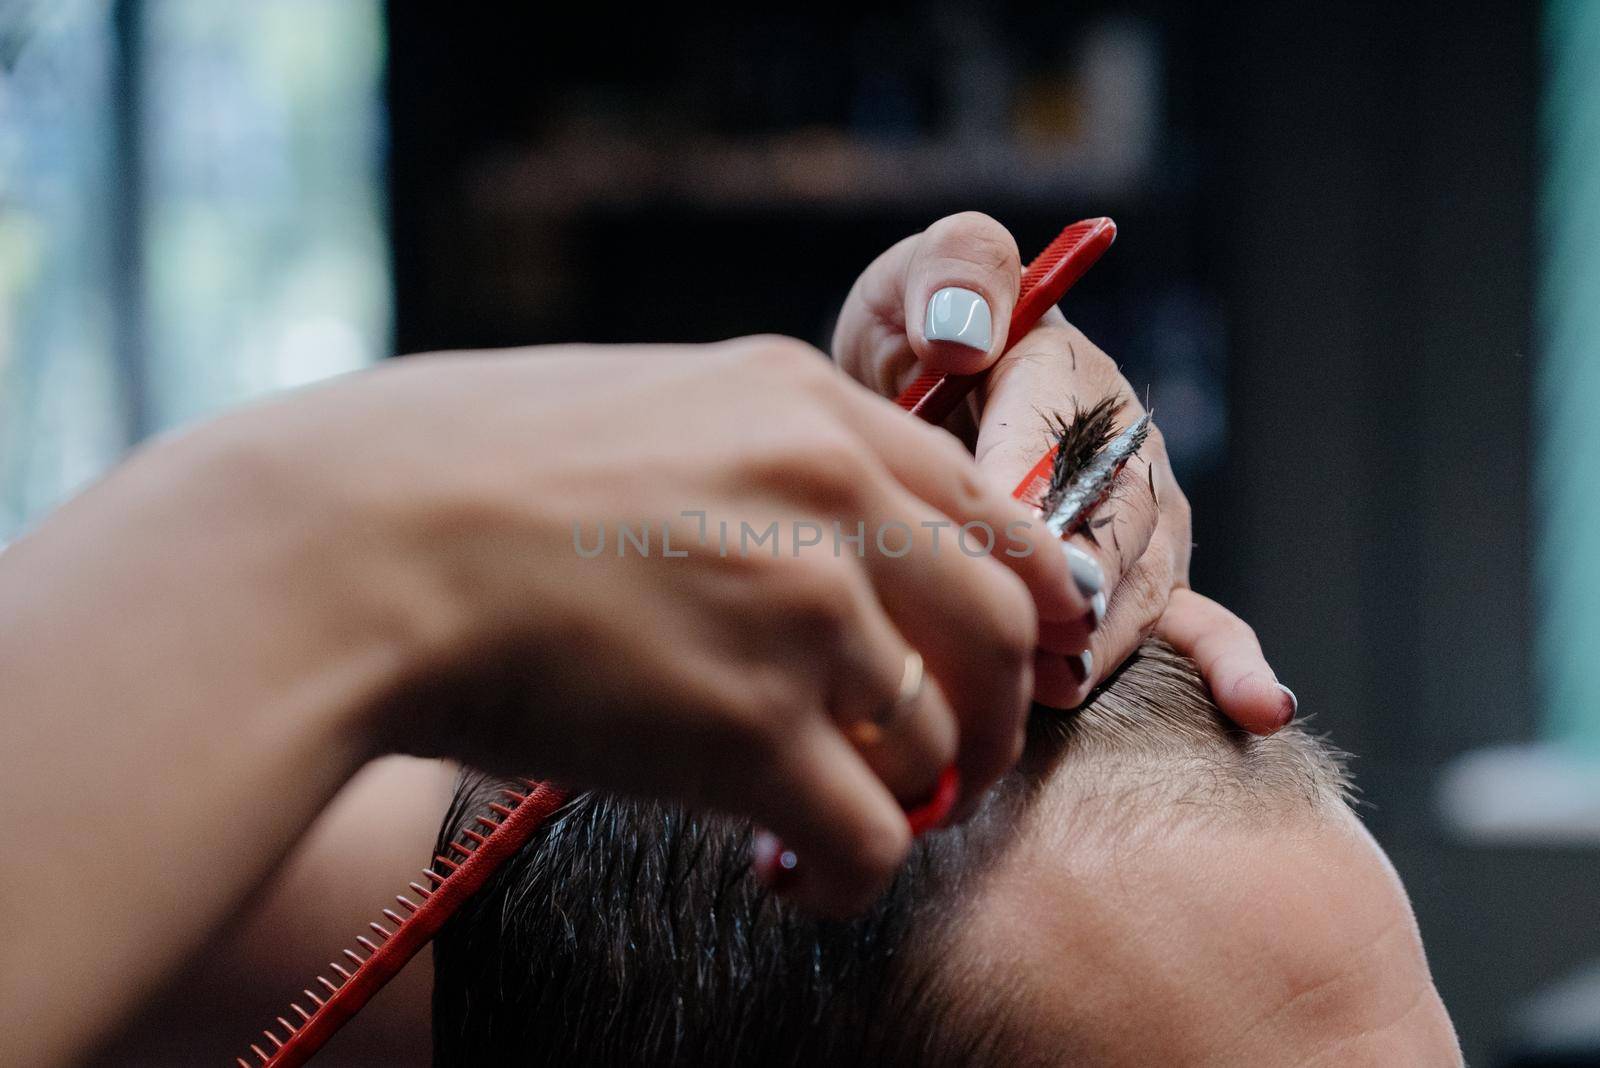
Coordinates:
1152 713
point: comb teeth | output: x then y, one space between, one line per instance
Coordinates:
359 977
1061 244
1056 251
912 394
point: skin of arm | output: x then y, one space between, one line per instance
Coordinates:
188 680
372 838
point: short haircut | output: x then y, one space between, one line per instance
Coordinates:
632 932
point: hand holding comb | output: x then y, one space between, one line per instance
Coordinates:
935 394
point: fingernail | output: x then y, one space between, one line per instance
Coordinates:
1086 572
774 865
1293 704
1097 608
1082 665
959 315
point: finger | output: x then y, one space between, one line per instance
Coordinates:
842 833
974 624
1058 678
883 328
1052 372
1065 679
898 720
960 288
910 746
1230 659
1118 535
869 342
935 468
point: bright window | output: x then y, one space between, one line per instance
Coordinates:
1567 396
191 214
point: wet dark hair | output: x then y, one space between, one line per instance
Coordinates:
631 932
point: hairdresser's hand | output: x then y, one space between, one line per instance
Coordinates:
738 679
214 638
943 299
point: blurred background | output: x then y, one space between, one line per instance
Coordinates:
1358 274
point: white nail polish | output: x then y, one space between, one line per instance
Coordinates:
959 315
1097 605
1087 574
1082 664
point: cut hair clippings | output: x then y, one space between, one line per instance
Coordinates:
1074 477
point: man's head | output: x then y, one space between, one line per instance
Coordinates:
1148 887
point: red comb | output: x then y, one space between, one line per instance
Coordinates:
935 394
451 880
